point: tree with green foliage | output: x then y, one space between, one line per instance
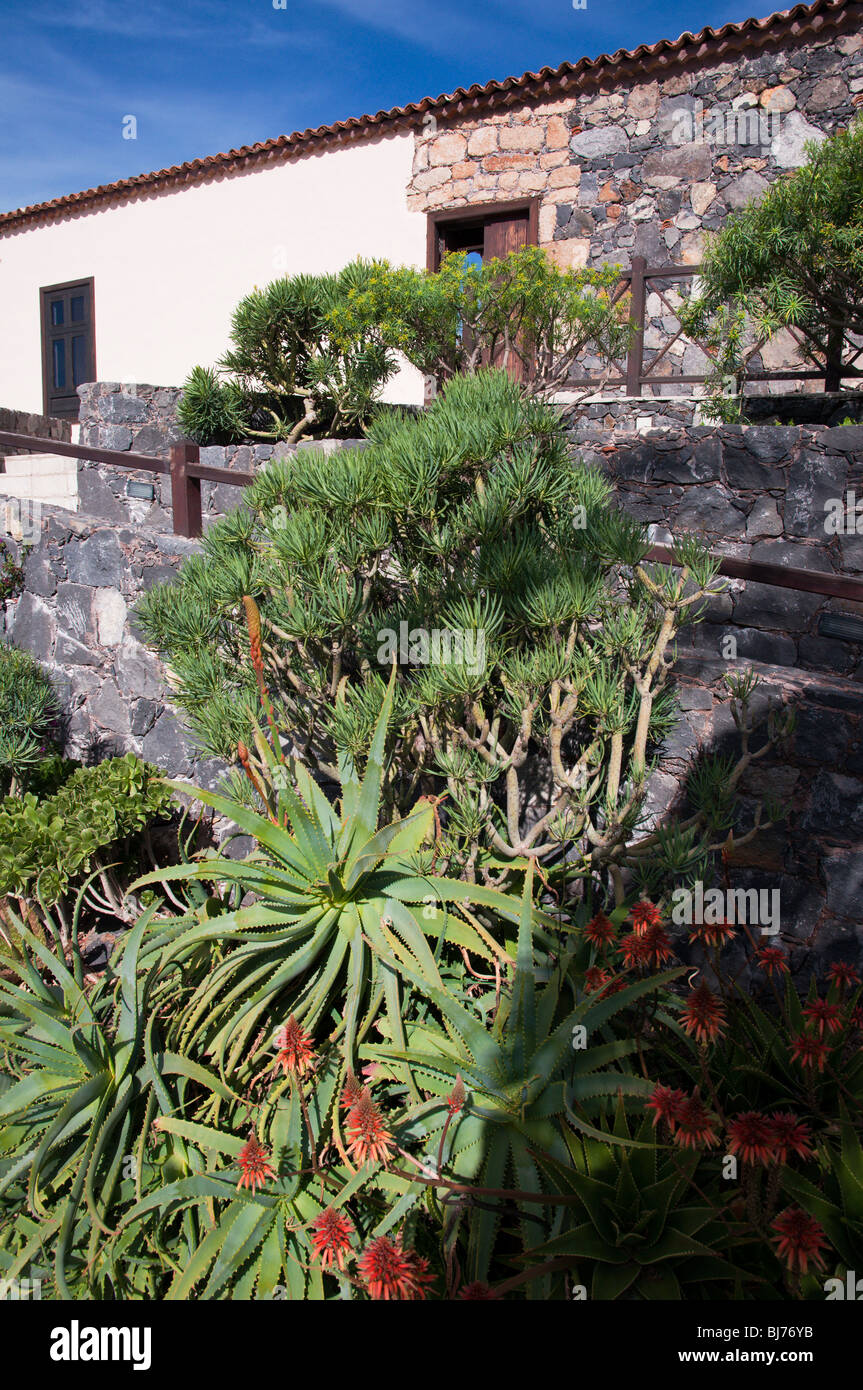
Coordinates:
791 259
522 313
470 547
290 373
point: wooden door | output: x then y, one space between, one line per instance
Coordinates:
504 234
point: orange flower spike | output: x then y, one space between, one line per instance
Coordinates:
799 1239
695 1126
752 1138
369 1139
704 1015
255 1163
456 1098
296 1053
645 914
600 931
351 1093
246 764
790 1136
253 623
391 1272
824 1016
809 1052
331 1233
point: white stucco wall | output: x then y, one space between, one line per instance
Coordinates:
170 268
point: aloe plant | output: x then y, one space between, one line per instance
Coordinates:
326 881
90 1075
639 1229
531 1071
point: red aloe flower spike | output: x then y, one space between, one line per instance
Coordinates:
694 1125
476 1290
600 931
790 1136
704 1015
826 1017
390 1271
645 914
635 950
351 1093
296 1053
369 1139
713 933
752 1137
456 1098
331 1233
658 945
665 1104
799 1239
255 1163
595 978
772 960
845 976
809 1052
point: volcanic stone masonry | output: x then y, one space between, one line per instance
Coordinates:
634 168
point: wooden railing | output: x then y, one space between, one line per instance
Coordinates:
636 372
184 468
842 586
187 473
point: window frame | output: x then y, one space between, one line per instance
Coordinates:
478 213
46 292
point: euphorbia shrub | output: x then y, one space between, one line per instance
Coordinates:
471 547
291 371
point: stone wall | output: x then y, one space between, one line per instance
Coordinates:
81 581
141 419
24 422
628 168
756 492
814 855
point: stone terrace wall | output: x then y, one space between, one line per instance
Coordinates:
634 168
24 422
755 492
141 419
82 579
814 857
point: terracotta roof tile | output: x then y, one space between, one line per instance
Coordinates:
824 16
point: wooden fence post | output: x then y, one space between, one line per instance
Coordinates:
635 360
185 490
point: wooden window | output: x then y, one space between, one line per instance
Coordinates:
68 345
488 229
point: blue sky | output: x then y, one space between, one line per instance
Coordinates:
201 76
